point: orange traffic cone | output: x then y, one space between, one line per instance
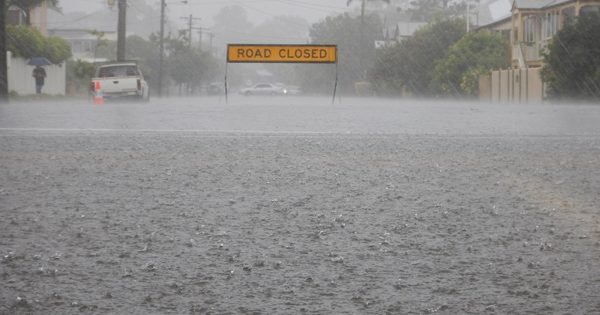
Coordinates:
98 98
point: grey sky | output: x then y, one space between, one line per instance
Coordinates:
258 10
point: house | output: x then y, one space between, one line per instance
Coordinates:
19 71
406 30
495 16
38 18
533 24
398 32
83 42
15 16
502 26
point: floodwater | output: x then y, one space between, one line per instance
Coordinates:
296 205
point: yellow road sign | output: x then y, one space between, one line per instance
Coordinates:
281 53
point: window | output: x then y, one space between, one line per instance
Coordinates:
550 24
117 71
530 29
585 10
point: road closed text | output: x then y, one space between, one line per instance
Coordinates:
282 54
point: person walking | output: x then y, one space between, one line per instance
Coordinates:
40 75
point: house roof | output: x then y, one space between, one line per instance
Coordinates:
408 29
537 4
496 23
490 12
402 29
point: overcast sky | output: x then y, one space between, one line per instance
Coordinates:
258 10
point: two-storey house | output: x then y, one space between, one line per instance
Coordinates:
535 22
533 25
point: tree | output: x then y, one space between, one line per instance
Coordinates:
186 66
572 64
410 64
355 52
232 26
277 30
283 30
79 74
28 5
24 41
27 42
473 55
190 67
362 7
428 10
57 49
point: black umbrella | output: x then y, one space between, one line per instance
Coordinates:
39 61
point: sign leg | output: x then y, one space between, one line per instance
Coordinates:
226 97
335 84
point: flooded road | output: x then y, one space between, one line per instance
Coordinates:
286 206
310 115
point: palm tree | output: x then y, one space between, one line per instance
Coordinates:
28 5
362 8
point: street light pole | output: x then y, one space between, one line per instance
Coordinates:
162 46
469 13
468 16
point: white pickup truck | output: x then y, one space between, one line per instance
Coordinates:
120 80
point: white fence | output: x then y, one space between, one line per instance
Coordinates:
512 86
20 77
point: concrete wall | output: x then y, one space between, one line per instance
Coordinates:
21 81
512 86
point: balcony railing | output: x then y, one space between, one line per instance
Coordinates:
528 52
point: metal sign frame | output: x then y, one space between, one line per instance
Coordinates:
306 53
300 59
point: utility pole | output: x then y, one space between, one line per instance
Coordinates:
190 30
200 38
121 30
211 35
201 32
191 27
3 66
162 46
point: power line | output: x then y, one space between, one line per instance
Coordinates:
259 36
191 20
310 4
63 23
265 13
221 2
